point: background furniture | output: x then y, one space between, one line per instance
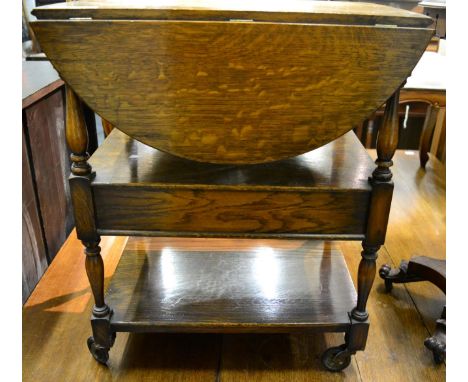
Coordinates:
422 268
47 211
423 96
47 215
436 10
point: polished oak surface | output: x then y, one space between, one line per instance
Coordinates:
224 10
165 284
340 165
236 91
138 189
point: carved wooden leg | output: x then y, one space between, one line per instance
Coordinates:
366 276
397 275
103 338
427 133
437 343
369 132
83 205
337 358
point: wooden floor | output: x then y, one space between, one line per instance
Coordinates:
55 318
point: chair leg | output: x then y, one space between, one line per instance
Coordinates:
103 338
366 276
437 343
427 133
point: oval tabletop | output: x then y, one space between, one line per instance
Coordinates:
236 83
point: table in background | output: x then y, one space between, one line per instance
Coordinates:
424 95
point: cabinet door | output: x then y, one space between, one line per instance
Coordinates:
34 251
45 122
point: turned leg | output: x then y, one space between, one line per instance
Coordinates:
83 206
369 132
379 209
103 338
337 358
427 133
366 276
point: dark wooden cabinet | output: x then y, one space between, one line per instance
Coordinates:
47 215
34 250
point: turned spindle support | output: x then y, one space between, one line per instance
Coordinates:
77 135
83 205
387 140
339 357
382 191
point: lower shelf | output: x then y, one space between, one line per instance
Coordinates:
227 285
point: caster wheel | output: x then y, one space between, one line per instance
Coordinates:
100 354
336 358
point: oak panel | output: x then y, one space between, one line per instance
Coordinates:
231 92
230 212
167 285
322 192
34 253
45 127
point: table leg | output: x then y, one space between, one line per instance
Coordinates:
427 133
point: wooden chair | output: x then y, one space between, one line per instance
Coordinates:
257 114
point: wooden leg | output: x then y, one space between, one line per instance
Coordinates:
437 343
369 133
83 205
427 133
366 276
339 357
419 268
358 130
107 127
103 338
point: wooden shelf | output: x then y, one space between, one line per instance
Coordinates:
227 285
322 194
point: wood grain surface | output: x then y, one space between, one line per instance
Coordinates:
231 92
138 188
343 164
336 12
45 127
164 285
34 252
56 317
